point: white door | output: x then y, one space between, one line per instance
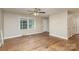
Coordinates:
72 25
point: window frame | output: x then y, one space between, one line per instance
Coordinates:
27 21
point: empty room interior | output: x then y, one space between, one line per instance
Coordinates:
39 29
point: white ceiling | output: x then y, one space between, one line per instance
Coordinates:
48 11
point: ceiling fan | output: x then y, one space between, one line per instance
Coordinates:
36 12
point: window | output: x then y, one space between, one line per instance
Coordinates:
27 24
31 24
23 23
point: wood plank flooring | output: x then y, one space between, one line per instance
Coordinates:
40 42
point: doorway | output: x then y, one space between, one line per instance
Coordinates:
46 25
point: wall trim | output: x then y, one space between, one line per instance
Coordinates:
59 36
36 34
5 38
12 37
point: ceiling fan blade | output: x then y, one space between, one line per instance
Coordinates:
41 12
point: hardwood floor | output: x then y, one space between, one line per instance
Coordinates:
40 42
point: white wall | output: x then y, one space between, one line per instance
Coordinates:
77 24
58 25
12 23
1 27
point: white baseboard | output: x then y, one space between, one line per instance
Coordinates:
21 35
59 36
12 37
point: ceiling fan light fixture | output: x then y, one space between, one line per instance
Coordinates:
35 14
